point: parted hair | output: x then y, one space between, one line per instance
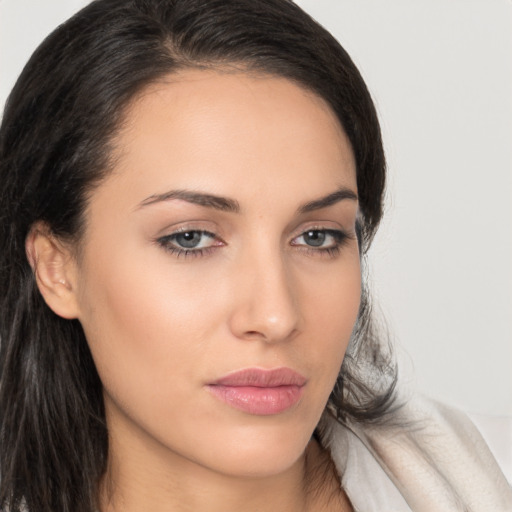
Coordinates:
55 148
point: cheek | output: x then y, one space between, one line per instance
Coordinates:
147 316
142 324
332 296
331 307
158 330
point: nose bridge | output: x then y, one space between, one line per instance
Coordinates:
265 304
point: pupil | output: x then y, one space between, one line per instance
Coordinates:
314 238
188 240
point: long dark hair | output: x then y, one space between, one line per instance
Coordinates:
54 149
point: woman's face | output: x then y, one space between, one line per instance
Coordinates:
219 278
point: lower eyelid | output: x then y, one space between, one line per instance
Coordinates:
169 244
338 235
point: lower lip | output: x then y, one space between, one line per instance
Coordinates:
261 401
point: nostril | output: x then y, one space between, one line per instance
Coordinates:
255 334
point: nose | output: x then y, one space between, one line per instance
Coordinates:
265 306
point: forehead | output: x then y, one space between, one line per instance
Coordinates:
232 133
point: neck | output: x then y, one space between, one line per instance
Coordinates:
133 486
143 474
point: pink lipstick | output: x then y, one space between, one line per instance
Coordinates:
258 391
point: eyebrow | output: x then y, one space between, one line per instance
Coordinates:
208 200
317 204
226 204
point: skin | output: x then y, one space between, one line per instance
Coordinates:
161 325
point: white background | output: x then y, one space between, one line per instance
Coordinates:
441 74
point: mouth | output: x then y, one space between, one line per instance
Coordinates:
258 391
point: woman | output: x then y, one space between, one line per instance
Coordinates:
190 188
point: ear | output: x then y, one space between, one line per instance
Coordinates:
55 270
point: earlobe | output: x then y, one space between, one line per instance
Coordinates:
55 270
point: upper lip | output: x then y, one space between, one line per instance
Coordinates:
262 378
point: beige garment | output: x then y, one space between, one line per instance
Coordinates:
434 461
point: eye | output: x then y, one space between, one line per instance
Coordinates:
321 240
315 238
190 239
190 242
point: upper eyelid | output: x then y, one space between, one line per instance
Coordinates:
204 232
215 233
325 230
184 227
299 232
167 243
331 249
319 227
339 235
213 230
188 230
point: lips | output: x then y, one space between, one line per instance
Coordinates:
258 391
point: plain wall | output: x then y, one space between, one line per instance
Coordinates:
441 75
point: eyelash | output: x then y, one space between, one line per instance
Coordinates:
168 243
340 238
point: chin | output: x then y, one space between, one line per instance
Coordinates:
260 464
258 452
